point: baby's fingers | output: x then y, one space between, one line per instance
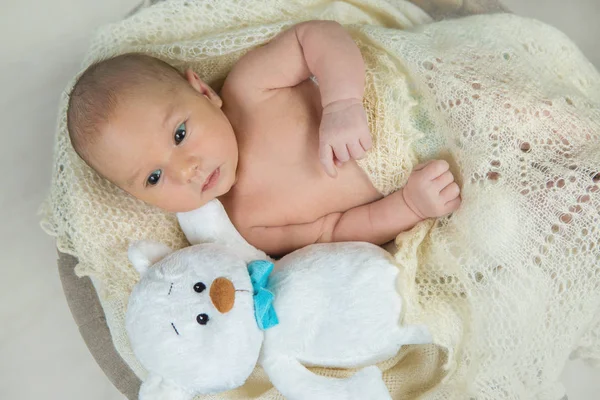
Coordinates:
366 142
422 165
450 193
453 205
356 150
341 152
326 158
443 180
435 169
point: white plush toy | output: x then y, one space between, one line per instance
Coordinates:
201 318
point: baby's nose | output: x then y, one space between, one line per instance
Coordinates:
222 294
187 171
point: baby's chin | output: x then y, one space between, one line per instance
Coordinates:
189 203
183 206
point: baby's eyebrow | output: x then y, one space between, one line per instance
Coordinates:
133 178
168 115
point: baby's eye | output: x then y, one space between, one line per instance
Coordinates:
180 133
154 177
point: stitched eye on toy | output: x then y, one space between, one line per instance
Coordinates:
202 319
199 287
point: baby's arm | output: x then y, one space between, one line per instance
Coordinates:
320 48
377 222
325 50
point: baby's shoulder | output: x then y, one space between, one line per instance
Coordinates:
235 91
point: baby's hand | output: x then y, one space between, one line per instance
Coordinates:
431 191
344 134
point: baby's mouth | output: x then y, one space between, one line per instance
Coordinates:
211 180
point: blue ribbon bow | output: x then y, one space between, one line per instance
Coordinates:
264 312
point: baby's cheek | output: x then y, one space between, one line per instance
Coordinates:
165 197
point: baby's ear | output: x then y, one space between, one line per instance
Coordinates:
145 253
157 388
203 88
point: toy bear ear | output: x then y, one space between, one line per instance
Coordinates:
157 388
145 253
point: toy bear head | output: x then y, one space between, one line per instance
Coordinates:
190 319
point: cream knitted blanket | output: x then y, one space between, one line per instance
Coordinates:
510 284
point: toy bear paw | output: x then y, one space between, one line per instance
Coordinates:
368 384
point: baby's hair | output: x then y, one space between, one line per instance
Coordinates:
103 84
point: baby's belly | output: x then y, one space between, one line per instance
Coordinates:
304 198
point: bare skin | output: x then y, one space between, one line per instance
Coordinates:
291 133
284 148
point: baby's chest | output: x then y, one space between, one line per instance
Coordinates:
281 180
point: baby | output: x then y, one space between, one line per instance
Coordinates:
274 147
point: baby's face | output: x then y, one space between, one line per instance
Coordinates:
173 149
